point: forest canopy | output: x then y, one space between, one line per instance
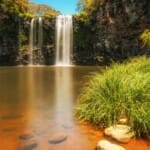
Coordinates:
88 6
19 7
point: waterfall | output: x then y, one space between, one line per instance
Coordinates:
36 38
31 40
40 33
64 40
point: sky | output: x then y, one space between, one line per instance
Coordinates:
66 7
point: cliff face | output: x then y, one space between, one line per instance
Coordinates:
45 55
14 42
15 21
111 34
116 27
8 40
120 24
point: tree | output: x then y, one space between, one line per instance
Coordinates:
88 5
80 5
11 7
41 10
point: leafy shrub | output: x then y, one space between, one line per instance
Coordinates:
121 91
145 37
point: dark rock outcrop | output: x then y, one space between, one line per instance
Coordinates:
113 33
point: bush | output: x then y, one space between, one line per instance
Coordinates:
121 91
145 37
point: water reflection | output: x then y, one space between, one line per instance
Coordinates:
38 103
63 94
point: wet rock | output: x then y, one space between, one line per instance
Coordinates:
58 138
25 137
123 121
121 133
106 145
30 146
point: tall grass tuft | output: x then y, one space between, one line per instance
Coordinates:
120 91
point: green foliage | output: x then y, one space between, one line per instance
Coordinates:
27 15
80 5
50 14
13 7
121 91
82 17
145 37
24 8
88 6
42 10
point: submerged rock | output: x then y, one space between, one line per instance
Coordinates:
30 145
121 133
106 145
58 138
25 136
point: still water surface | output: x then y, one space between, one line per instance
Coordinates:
36 105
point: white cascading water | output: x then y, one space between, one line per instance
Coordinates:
36 36
31 40
64 40
40 33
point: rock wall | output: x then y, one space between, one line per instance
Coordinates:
113 32
8 40
46 54
14 42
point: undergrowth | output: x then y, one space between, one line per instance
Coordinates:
122 90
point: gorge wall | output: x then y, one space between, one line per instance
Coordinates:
110 33
15 19
113 32
48 49
8 40
14 39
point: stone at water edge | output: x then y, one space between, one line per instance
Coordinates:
58 138
123 121
121 133
106 145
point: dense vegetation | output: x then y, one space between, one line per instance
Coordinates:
41 10
120 91
9 24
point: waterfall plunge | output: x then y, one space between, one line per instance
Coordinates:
31 40
36 37
64 40
40 33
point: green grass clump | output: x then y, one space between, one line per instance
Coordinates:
121 91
